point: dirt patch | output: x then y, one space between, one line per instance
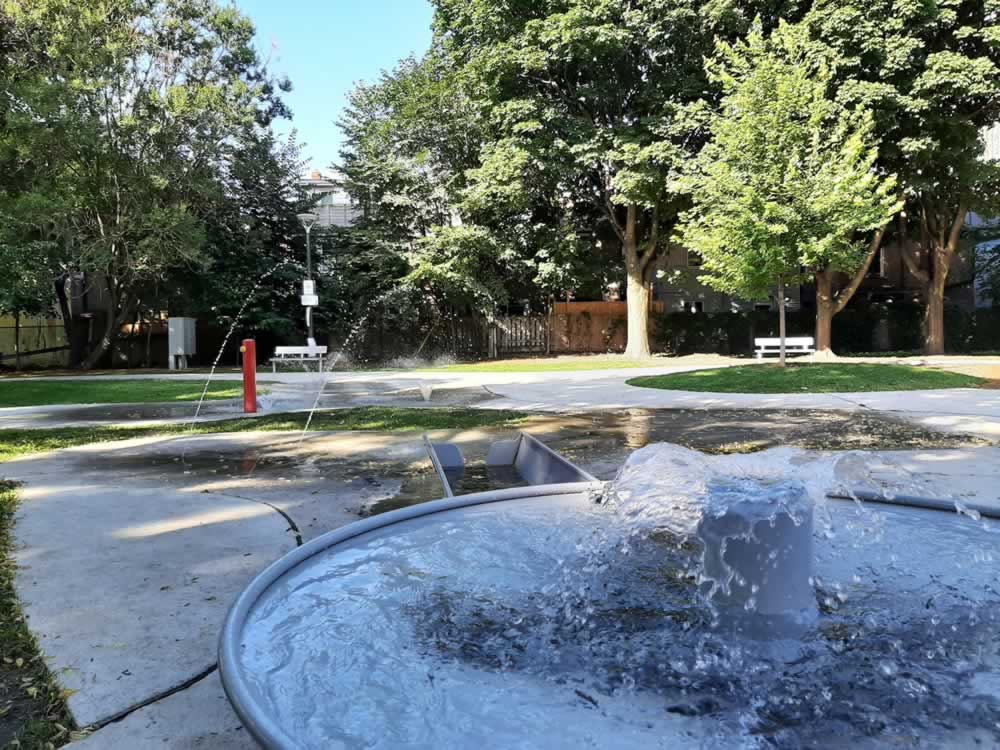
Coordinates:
990 373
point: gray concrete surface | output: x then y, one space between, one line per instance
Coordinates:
131 552
197 717
130 611
64 415
970 410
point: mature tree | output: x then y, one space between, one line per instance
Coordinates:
413 139
254 251
409 137
149 97
930 73
787 184
600 100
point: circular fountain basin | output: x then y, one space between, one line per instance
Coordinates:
522 618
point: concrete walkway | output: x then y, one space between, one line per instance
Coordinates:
971 410
129 555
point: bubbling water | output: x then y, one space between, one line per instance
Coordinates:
601 621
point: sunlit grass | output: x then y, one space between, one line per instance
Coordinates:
47 392
21 442
809 378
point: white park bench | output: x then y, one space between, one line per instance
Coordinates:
301 354
793 345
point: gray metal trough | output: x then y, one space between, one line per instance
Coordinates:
534 462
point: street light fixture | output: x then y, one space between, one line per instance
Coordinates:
308 220
309 296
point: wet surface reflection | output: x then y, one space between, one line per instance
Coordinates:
400 474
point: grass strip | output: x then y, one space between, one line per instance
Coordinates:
33 712
47 392
15 443
809 378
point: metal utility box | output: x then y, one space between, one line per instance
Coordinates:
180 341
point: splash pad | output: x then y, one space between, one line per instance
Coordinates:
694 602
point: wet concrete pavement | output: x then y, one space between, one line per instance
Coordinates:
130 553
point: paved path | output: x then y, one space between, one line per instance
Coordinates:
976 411
130 554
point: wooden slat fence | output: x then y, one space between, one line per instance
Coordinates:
522 335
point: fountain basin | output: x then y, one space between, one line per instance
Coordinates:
520 617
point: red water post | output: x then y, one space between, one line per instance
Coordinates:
249 350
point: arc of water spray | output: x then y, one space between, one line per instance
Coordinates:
236 320
324 369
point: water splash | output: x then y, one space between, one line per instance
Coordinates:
333 359
520 620
229 333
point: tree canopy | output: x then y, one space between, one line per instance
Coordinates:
132 117
786 187
929 72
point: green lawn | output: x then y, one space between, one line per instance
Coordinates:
46 392
21 442
811 378
549 365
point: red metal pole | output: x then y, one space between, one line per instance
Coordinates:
249 350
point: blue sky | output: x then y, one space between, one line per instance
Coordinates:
324 46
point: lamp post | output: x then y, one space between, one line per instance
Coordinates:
309 298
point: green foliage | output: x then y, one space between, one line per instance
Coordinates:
929 73
788 182
254 252
408 140
124 124
26 283
360 281
439 200
465 264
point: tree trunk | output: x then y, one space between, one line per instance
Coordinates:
637 293
934 312
824 310
827 306
781 323
943 247
148 359
67 320
637 301
112 327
